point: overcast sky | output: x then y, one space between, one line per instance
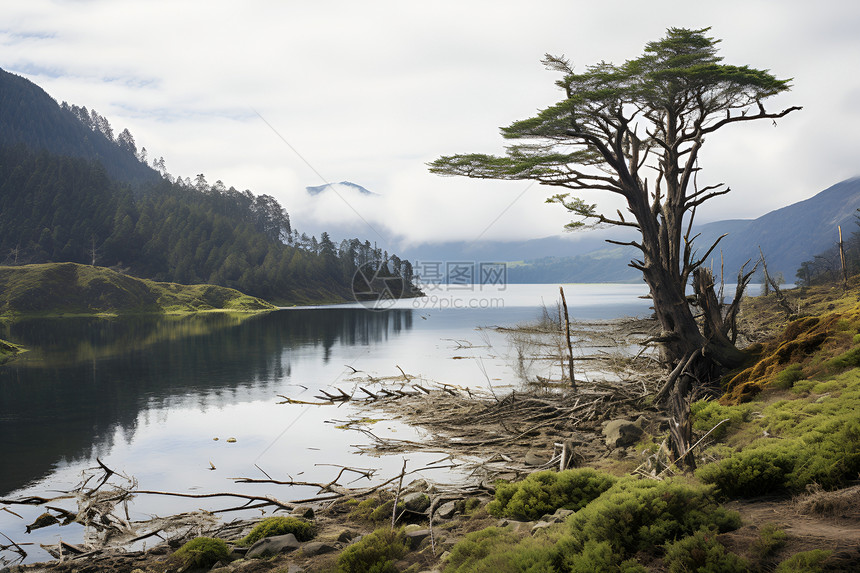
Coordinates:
277 96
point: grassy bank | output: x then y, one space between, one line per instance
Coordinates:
62 289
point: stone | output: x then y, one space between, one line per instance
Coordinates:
561 514
274 545
414 538
345 536
540 526
416 502
535 458
317 548
447 510
417 485
622 433
305 511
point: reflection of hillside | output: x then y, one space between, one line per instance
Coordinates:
82 339
87 377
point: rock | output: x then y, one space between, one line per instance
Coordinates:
417 485
536 458
521 526
414 538
345 536
274 545
416 502
305 511
622 433
317 548
447 510
412 527
562 514
540 526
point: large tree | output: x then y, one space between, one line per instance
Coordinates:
636 130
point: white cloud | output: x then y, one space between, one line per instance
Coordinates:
371 91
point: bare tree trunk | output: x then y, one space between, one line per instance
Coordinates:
567 338
842 260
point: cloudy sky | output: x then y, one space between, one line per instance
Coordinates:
275 96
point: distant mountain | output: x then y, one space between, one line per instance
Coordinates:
790 235
348 184
32 118
787 236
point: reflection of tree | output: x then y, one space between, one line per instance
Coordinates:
84 378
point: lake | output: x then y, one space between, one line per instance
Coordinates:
149 395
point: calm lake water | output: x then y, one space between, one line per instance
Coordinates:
149 395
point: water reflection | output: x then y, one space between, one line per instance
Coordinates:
86 378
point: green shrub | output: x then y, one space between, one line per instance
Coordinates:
804 562
828 454
630 517
638 515
770 539
375 510
702 553
202 552
279 525
849 359
786 379
707 414
491 549
374 553
546 491
599 556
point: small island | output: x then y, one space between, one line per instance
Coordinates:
71 289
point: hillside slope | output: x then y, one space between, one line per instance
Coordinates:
69 288
787 237
30 117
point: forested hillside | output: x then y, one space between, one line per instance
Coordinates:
70 192
31 117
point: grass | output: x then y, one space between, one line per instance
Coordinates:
279 525
70 289
202 552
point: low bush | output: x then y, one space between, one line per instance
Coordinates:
804 562
492 549
829 455
374 553
202 552
786 379
702 553
849 359
631 517
638 515
544 492
770 539
707 414
279 525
